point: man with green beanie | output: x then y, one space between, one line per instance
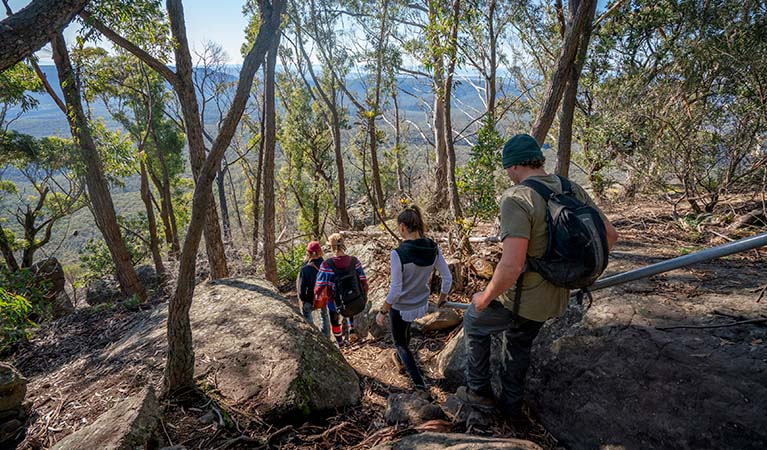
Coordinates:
493 311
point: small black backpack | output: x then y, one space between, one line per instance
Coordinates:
349 297
576 254
306 287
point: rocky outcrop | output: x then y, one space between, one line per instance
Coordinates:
454 441
451 361
614 379
129 425
13 388
256 351
147 275
50 274
438 319
411 408
103 291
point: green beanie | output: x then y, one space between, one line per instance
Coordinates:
519 149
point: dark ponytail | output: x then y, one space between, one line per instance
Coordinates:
412 218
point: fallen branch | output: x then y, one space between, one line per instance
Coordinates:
724 325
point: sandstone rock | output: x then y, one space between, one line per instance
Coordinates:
13 387
411 408
438 319
128 425
263 355
50 273
611 378
62 305
147 275
102 291
451 362
454 441
482 268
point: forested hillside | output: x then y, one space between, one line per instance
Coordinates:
166 195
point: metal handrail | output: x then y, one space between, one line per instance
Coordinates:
741 245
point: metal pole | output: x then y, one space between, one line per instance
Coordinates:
742 245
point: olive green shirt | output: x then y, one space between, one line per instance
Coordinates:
523 215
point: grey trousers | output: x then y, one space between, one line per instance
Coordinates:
518 336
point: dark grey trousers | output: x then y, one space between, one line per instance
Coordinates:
518 336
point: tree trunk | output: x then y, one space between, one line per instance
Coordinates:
398 144
154 241
236 203
439 199
179 369
5 248
257 194
555 88
214 245
221 187
375 167
341 211
455 202
270 142
25 32
166 202
98 191
564 145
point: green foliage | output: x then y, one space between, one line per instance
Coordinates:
95 258
16 84
289 263
14 316
479 180
22 302
306 143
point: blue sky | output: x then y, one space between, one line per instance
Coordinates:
220 21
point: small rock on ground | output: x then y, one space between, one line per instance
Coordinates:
411 408
454 441
128 425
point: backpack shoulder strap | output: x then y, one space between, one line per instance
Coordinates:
539 187
567 187
331 264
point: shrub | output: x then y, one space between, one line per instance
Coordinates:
289 263
14 315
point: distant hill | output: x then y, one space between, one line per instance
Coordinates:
414 98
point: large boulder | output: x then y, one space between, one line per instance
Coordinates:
147 275
451 361
49 272
13 388
411 408
102 291
455 441
612 378
256 351
129 425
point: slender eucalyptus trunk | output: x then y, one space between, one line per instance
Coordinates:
564 144
214 245
555 88
221 188
98 190
455 202
154 241
270 142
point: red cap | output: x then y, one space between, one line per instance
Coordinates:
314 247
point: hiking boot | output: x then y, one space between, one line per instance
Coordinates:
475 399
397 362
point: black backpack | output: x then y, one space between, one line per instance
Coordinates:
349 297
306 288
576 254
